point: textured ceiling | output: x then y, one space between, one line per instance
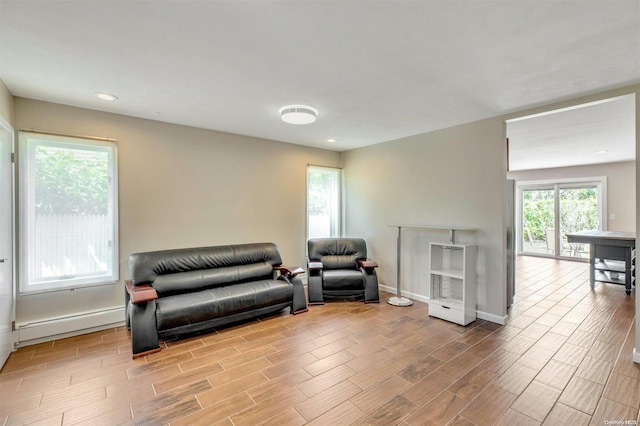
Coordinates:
376 71
598 132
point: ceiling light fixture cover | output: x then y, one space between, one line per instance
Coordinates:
298 114
106 96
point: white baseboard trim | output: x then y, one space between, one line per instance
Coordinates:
33 332
636 356
479 314
502 320
407 294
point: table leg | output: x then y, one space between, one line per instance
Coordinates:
592 266
627 270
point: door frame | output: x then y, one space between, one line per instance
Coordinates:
6 126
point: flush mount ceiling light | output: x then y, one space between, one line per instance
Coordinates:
298 114
106 96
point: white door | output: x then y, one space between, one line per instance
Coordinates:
7 294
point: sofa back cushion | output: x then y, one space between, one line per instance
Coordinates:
192 269
337 253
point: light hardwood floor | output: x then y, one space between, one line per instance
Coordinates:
565 357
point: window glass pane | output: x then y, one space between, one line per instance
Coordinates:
323 202
578 212
68 212
538 221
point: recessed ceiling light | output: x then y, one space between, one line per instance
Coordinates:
106 96
602 151
298 114
331 140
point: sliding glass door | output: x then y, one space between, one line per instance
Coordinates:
548 211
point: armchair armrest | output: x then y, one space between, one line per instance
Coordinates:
314 265
365 263
289 271
140 293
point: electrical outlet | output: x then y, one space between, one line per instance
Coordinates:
612 216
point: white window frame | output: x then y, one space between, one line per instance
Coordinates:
556 184
28 141
336 227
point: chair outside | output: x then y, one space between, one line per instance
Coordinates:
565 247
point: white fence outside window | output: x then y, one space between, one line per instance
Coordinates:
320 226
69 245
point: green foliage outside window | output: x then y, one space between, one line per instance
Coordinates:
578 211
71 181
537 208
319 193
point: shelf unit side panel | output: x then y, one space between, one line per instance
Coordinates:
470 278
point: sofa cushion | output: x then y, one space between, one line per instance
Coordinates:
207 278
339 262
342 280
188 308
147 267
337 253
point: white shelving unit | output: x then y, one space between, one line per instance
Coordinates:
452 275
399 300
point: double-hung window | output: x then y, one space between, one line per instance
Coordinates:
68 212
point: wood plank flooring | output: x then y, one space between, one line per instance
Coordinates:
565 357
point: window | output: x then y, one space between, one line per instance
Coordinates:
68 212
323 202
551 210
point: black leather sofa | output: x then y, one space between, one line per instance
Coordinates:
175 292
339 269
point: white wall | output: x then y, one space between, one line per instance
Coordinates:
182 187
6 103
454 176
621 188
636 349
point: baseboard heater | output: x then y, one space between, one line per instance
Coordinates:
32 332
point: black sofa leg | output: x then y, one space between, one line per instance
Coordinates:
315 290
299 298
371 294
144 335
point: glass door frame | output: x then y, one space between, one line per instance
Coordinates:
556 185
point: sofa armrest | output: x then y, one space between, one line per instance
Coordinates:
365 263
140 293
289 271
313 265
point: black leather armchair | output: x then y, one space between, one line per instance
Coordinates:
339 269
